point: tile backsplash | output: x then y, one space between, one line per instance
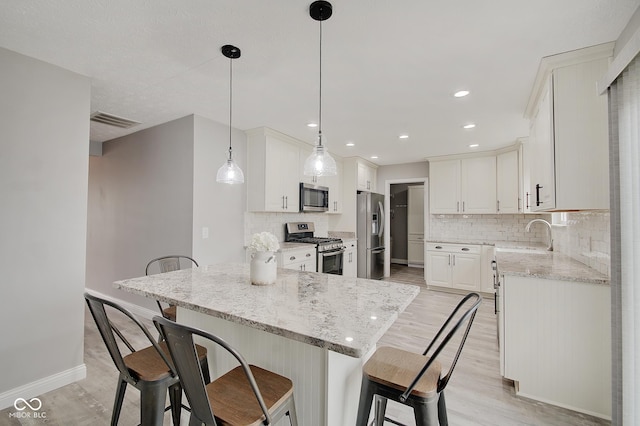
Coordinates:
584 236
274 223
489 228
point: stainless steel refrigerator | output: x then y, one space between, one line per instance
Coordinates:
370 229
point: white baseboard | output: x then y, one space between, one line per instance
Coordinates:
136 310
39 387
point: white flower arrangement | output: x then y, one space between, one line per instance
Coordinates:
264 241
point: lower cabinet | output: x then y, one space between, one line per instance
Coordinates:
454 266
299 259
415 250
556 345
350 259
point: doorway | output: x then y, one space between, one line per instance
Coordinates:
406 202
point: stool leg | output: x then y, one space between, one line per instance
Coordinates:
152 400
175 396
117 404
426 413
204 366
380 409
366 399
442 410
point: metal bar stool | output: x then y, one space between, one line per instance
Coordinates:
149 369
246 395
168 264
414 379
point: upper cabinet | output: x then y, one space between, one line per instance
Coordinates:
466 185
508 198
367 175
275 164
568 139
273 185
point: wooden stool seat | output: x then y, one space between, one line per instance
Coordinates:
232 400
146 364
170 312
396 368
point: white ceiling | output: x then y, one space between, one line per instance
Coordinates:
389 67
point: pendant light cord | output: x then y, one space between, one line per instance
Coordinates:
230 100
320 97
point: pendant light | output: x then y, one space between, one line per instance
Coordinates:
320 162
229 172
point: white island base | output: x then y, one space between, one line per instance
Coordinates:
326 383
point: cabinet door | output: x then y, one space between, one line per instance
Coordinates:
415 210
478 185
439 269
334 183
508 182
281 179
415 250
444 186
364 177
465 271
542 168
349 266
304 154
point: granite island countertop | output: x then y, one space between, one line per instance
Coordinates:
341 314
547 265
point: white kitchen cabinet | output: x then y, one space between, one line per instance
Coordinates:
556 344
350 259
455 266
508 182
367 176
273 183
568 138
465 186
303 259
415 226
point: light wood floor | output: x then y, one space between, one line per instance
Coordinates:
476 394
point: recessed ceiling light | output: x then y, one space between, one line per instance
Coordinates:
312 125
469 126
461 93
350 144
374 157
474 145
404 136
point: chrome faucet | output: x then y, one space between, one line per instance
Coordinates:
528 229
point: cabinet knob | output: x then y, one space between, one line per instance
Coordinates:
465 249
308 254
438 247
292 258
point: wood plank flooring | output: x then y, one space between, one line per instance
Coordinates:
476 394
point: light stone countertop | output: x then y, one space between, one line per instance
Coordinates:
547 265
344 315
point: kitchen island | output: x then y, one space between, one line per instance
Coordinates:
317 329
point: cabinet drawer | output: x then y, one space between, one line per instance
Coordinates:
296 256
454 248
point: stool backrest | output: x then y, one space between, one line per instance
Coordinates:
168 263
448 330
109 331
181 346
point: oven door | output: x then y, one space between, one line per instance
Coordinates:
330 262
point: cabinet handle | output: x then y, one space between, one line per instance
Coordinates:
286 203
292 258
519 204
308 254
449 260
457 206
498 206
463 207
454 259
438 247
527 200
465 248
283 203
538 188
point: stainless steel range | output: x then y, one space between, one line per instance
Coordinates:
330 251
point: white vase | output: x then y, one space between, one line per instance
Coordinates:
263 268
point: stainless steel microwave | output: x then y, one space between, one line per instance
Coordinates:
313 198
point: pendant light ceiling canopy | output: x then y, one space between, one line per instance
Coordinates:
229 172
320 162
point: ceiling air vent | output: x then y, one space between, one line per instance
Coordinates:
113 120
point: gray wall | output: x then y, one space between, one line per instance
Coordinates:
140 204
401 171
219 207
44 145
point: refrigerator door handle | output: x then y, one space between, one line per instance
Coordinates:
381 227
